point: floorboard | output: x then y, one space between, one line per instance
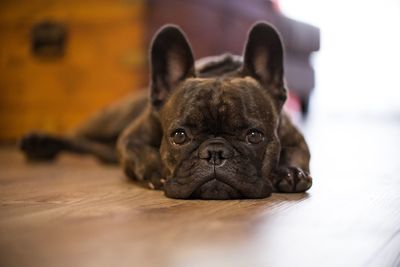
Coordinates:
76 212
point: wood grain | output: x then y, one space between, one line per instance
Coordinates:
76 212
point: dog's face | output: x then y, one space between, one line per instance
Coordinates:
219 133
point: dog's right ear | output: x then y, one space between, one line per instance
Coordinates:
263 59
171 62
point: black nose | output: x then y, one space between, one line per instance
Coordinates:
215 151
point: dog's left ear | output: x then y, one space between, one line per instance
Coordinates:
263 59
171 62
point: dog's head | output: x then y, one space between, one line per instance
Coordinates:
219 133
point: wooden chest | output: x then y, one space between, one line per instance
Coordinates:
61 60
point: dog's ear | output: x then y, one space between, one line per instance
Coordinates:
171 62
263 59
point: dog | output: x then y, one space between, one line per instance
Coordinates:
210 129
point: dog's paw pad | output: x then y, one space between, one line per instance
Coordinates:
292 180
38 146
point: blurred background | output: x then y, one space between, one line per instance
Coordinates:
61 60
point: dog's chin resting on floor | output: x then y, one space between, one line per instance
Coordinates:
211 129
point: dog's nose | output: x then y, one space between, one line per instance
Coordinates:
215 152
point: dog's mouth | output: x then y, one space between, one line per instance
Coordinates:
212 186
215 189
200 187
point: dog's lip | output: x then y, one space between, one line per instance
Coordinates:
242 186
217 180
186 180
185 187
232 191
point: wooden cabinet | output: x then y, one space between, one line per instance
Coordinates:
99 57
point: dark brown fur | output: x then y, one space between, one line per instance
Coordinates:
215 104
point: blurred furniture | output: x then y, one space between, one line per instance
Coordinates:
219 26
62 60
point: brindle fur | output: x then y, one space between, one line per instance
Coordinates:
219 96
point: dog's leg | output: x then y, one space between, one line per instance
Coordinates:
39 147
293 172
96 136
108 123
138 149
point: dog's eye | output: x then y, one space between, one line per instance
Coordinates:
179 137
254 137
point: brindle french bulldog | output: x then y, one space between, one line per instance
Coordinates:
213 129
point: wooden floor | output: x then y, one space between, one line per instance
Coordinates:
76 212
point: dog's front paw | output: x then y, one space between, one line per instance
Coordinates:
146 173
291 180
37 146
